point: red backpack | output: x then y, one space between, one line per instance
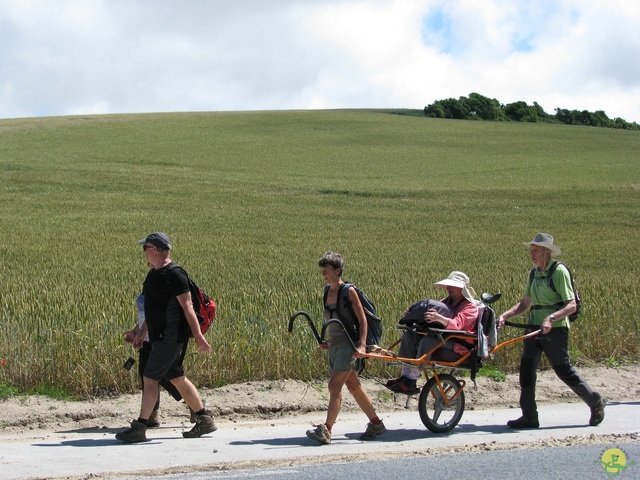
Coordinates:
203 305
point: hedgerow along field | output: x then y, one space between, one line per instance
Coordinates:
252 199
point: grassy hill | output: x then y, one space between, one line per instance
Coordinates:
251 200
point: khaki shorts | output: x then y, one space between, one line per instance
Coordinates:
341 359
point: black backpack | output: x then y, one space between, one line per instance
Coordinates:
576 293
374 324
414 315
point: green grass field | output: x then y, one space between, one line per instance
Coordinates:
251 200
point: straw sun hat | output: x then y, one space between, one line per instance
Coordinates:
545 240
460 280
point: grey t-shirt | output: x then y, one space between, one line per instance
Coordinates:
337 336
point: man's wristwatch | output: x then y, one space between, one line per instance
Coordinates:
552 317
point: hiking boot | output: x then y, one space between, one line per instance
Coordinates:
373 431
320 434
597 413
524 422
404 385
134 434
204 424
154 420
194 415
392 382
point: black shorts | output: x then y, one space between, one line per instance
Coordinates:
165 361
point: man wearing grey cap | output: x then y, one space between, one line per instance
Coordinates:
549 298
169 318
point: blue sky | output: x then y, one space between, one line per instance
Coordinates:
73 57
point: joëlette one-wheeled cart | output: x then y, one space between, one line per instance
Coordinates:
441 402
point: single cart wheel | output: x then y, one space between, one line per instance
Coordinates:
440 411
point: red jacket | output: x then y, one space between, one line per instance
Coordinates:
465 317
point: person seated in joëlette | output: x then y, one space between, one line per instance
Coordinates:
460 299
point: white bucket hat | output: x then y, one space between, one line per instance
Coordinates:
545 240
460 280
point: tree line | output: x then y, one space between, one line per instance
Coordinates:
479 107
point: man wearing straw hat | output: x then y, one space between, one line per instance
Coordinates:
548 309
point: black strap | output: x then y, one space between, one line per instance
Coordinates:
548 276
526 326
555 306
350 326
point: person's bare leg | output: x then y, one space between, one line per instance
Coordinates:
150 394
336 382
189 393
359 395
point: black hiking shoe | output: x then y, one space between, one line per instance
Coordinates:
193 415
524 422
154 420
135 434
597 413
392 382
204 424
404 385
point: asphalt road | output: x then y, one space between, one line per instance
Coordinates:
583 461
83 452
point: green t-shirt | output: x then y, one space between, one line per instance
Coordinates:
543 295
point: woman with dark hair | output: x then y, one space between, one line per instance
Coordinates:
343 360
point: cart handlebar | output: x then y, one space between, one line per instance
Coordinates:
309 321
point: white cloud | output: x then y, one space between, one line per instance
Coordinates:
112 56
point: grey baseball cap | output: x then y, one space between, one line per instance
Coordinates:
157 239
